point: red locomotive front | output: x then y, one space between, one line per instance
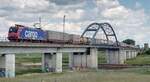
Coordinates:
13 33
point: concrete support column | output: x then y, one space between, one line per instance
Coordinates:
113 56
2 65
71 60
52 62
47 62
127 55
130 54
10 65
2 61
83 60
58 64
92 59
136 53
77 60
122 56
7 65
133 54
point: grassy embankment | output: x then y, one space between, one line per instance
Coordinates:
127 75
140 59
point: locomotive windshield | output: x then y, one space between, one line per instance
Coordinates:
12 29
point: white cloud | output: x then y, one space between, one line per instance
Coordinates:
106 4
128 23
116 13
67 2
76 14
4 25
22 4
69 27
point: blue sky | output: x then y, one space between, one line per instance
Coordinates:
133 3
129 18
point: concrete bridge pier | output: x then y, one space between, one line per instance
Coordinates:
119 56
52 62
112 56
7 65
135 53
71 61
131 54
77 60
84 59
122 56
128 54
92 59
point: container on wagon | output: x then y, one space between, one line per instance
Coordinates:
76 39
58 37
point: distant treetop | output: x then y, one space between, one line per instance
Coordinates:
129 41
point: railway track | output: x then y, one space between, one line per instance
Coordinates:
121 66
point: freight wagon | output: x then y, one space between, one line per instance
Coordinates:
58 37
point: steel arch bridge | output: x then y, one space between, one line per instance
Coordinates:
107 30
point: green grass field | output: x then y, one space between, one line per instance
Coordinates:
127 75
24 58
140 59
27 58
101 57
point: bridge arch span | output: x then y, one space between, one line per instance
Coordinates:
105 27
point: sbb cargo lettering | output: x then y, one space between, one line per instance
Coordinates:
31 34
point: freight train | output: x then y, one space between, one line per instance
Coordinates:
20 33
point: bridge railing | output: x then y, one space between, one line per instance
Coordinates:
127 45
104 42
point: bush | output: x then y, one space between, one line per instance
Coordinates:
147 52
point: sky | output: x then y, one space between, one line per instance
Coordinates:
129 18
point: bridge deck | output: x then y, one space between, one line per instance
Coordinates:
51 45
